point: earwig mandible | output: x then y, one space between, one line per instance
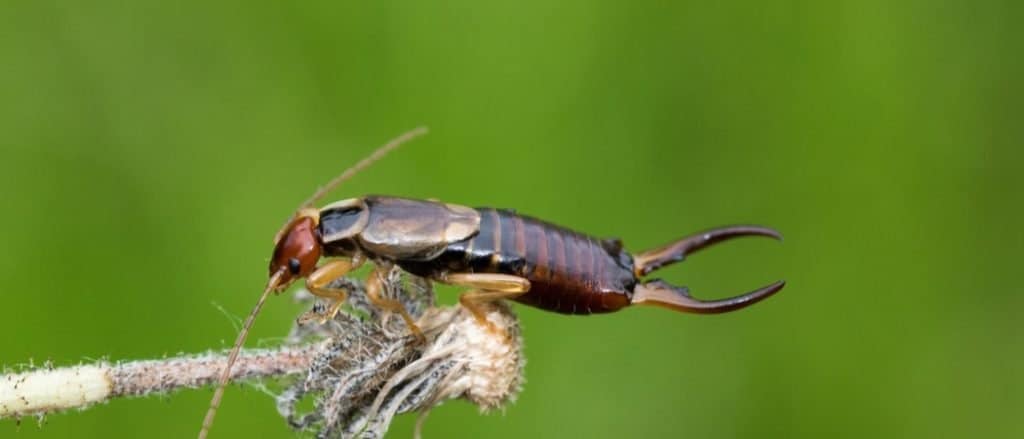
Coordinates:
495 253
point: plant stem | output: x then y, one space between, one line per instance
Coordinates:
53 390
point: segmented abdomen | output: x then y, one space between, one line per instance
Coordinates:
569 272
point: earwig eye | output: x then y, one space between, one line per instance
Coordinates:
294 266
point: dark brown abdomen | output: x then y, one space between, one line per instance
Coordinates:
569 272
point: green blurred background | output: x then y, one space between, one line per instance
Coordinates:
151 149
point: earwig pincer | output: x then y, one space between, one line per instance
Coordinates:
495 253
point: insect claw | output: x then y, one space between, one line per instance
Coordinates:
307 317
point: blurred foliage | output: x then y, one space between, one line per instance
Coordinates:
151 149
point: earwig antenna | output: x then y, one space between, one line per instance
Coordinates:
348 173
363 164
226 373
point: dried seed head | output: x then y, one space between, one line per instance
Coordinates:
368 371
493 364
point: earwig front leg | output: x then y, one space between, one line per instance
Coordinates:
488 287
374 287
318 280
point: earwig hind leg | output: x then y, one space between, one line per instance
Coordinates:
473 299
660 293
487 287
488 281
318 280
650 260
374 288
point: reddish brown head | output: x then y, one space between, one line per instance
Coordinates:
297 251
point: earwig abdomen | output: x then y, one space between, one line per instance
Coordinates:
569 272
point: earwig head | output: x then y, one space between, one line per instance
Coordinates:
297 250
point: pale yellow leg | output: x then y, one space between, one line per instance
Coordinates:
471 300
488 281
318 280
488 287
374 287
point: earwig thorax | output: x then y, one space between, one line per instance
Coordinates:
343 220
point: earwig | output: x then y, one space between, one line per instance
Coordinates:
495 253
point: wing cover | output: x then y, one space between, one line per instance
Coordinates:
402 228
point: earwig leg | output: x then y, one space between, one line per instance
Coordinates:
660 293
488 281
318 280
471 300
374 287
488 287
648 261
